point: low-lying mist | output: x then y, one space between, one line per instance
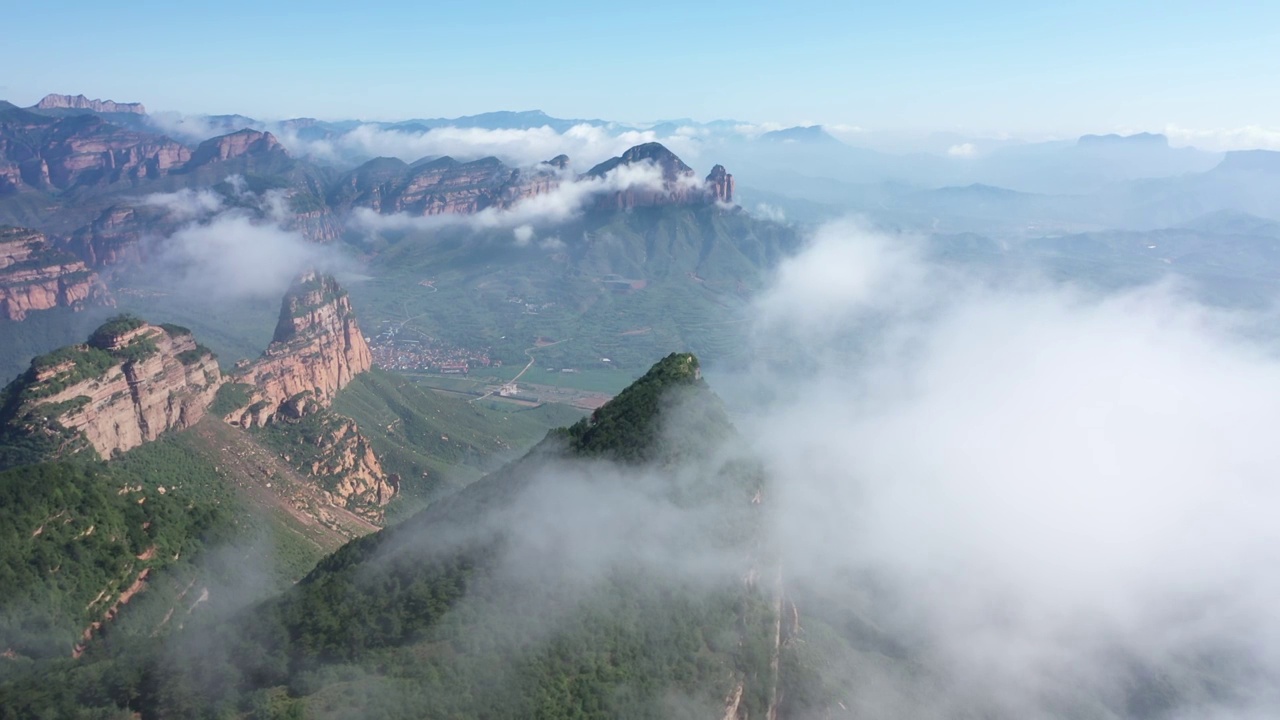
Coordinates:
1059 501
986 496
234 245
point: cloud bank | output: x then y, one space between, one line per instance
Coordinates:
1056 500
1249 137
241 250
584 144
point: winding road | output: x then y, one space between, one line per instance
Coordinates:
529 352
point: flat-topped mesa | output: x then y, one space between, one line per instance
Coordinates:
53 101
131 382
234 145
676 183
36 276
316 351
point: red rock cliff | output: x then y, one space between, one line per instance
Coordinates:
46 153
234 145
317 350
35 276
130 383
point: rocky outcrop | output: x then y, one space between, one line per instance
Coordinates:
115 236
441 186
59 153
720 184
131 382
317 226
446 186
344 466
235 145
317 350
675 184
80 102
35 276
43 152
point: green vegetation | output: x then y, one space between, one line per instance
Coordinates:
628 427
76 535
438 616
194 355
231 396
437 444
105 336
623 286
76 363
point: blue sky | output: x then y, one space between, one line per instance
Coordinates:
989 67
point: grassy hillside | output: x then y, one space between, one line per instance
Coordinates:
458 612
437 443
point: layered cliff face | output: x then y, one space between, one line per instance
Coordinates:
235 145
57 153
114 236
35 276
316 351
80 102
131 382
447 186
441 186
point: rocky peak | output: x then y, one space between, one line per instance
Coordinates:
234 145
720 184
673 168
80 102
679 184
128 384
559 162
316 351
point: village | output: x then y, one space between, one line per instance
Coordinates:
392 351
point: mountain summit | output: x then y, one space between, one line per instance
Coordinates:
54 101
679 183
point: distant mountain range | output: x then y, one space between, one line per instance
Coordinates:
78 171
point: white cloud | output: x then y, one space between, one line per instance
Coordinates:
185 204
770 212
197 128
1036 489
1250 137
523 235
963 150
233 252
585 144
566 201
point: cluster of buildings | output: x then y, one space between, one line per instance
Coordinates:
391 351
